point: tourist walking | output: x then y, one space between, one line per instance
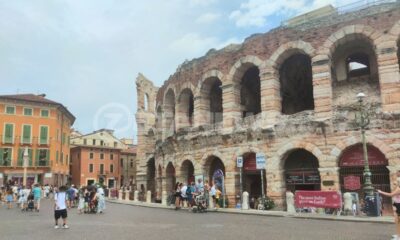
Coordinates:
60 207
207 192
396 207
81 204
101 205
183 195
189 193
213 192
178 186
37 195
9 198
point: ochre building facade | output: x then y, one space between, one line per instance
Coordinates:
289 94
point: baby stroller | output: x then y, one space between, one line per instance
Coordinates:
200 204
31 204
93 206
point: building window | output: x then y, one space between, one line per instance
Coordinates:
28 111
101 168
44 113
91 167
84 141
122 162
112 156
131 163
8 133
94 141
42 157
62 158
5 156
66 160
101 155
63 139
20 159
91 155
44 132
56 156
101 143
26 134
10 109
111 168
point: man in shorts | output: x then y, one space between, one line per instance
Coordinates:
37 195
60 207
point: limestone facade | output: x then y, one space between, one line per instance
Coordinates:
292 88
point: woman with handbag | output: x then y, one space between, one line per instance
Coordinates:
178 195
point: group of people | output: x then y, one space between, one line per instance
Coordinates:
87 199
185 195
26 198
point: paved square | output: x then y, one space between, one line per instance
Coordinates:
130 222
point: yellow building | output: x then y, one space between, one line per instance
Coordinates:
42 126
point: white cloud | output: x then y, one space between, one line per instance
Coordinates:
193 44
256 12
203 3
208 18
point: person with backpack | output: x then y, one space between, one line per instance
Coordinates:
60 207
189 193
183 194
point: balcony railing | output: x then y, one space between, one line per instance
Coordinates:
18 140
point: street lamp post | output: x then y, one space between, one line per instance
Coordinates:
25 159
363 121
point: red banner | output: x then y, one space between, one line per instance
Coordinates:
250 162
354 157
318 199
352 182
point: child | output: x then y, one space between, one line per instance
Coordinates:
60 207
9 198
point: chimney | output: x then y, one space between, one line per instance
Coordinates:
42 95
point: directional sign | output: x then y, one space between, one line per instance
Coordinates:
239 161
260 161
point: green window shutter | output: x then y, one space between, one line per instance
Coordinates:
26 135
30 164
48 157
43 134
1 156
37 157
8 133
63 138
57 156
20 157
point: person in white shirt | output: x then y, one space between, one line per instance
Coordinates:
183 194
60 207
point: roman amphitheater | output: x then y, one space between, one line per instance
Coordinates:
288 94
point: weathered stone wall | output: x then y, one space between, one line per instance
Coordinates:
325 131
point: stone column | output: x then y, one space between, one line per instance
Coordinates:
290 202
148 197
127 193
328 175
119 194
270 96
245 203
136 196
211 202
201 111
389 77
276 186
231 105
164 198
322 87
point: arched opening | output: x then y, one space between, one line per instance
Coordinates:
185 108
212 99
214 169
170 178
252 177
250 92
169 113
301 171
146 102
187 171
351 171
295 76
354 69
151 176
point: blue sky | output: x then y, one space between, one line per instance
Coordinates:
87 54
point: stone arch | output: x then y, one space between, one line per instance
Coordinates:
236 70
170 177
187 171
185 108
285 149
344 144
169 112
208 98
151 175
272 90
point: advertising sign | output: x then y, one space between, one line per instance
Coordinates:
239 161
260 161
352 182
318 199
